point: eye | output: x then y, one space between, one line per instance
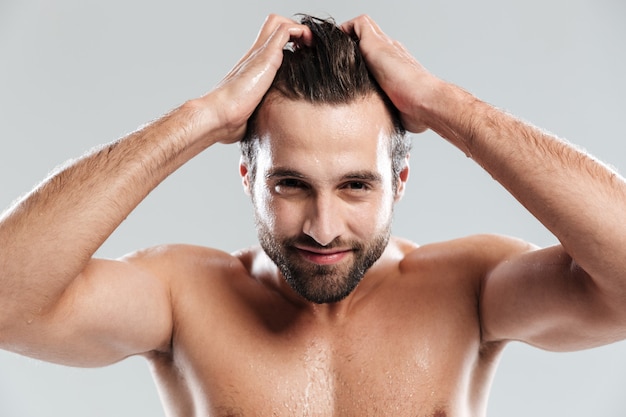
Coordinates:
290 186
357 187
289 182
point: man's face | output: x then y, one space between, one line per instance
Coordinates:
322 192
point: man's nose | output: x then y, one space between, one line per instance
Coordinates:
324 221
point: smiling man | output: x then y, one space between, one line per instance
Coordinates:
323 220
330 316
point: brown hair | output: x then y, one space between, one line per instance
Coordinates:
331 71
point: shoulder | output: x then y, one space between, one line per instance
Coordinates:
175 262
176 253
449 276
201 279
476 254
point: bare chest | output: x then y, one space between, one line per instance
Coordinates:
412 348
380 368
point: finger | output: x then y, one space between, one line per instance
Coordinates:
262 62
289 33
361 26
272 48
271 24
268 28
301 34
276 32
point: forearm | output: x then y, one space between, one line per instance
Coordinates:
576 197
47 238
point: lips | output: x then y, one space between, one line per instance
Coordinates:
324 257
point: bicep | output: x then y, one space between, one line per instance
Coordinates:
542 297
112 310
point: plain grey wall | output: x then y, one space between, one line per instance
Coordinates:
76 73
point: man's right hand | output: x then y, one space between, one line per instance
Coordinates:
57 303
236 97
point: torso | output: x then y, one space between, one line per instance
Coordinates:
407 345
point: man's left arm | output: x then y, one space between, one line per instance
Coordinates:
567 297
573 295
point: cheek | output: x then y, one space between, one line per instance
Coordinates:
261 199
274 213
369 219
284 219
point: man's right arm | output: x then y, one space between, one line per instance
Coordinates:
56 302
48 238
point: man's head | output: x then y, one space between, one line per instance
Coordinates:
324 160
331 71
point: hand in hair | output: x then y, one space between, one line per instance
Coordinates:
239 93
405 81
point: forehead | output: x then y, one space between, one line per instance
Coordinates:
353 136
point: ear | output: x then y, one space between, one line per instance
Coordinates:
402 179
245 177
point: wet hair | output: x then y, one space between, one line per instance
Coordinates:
330 71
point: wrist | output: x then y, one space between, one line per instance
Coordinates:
201 121
216 118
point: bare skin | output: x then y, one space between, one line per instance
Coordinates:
224 333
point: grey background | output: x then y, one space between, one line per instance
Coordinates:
74 74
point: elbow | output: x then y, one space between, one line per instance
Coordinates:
16 327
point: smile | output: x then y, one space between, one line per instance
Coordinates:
324 257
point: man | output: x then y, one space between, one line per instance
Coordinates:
332 316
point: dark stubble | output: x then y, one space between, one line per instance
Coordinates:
321 284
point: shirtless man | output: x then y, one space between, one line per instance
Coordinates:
299 327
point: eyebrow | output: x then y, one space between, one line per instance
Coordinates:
364 176
283 172
354 175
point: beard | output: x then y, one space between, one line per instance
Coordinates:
321 284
